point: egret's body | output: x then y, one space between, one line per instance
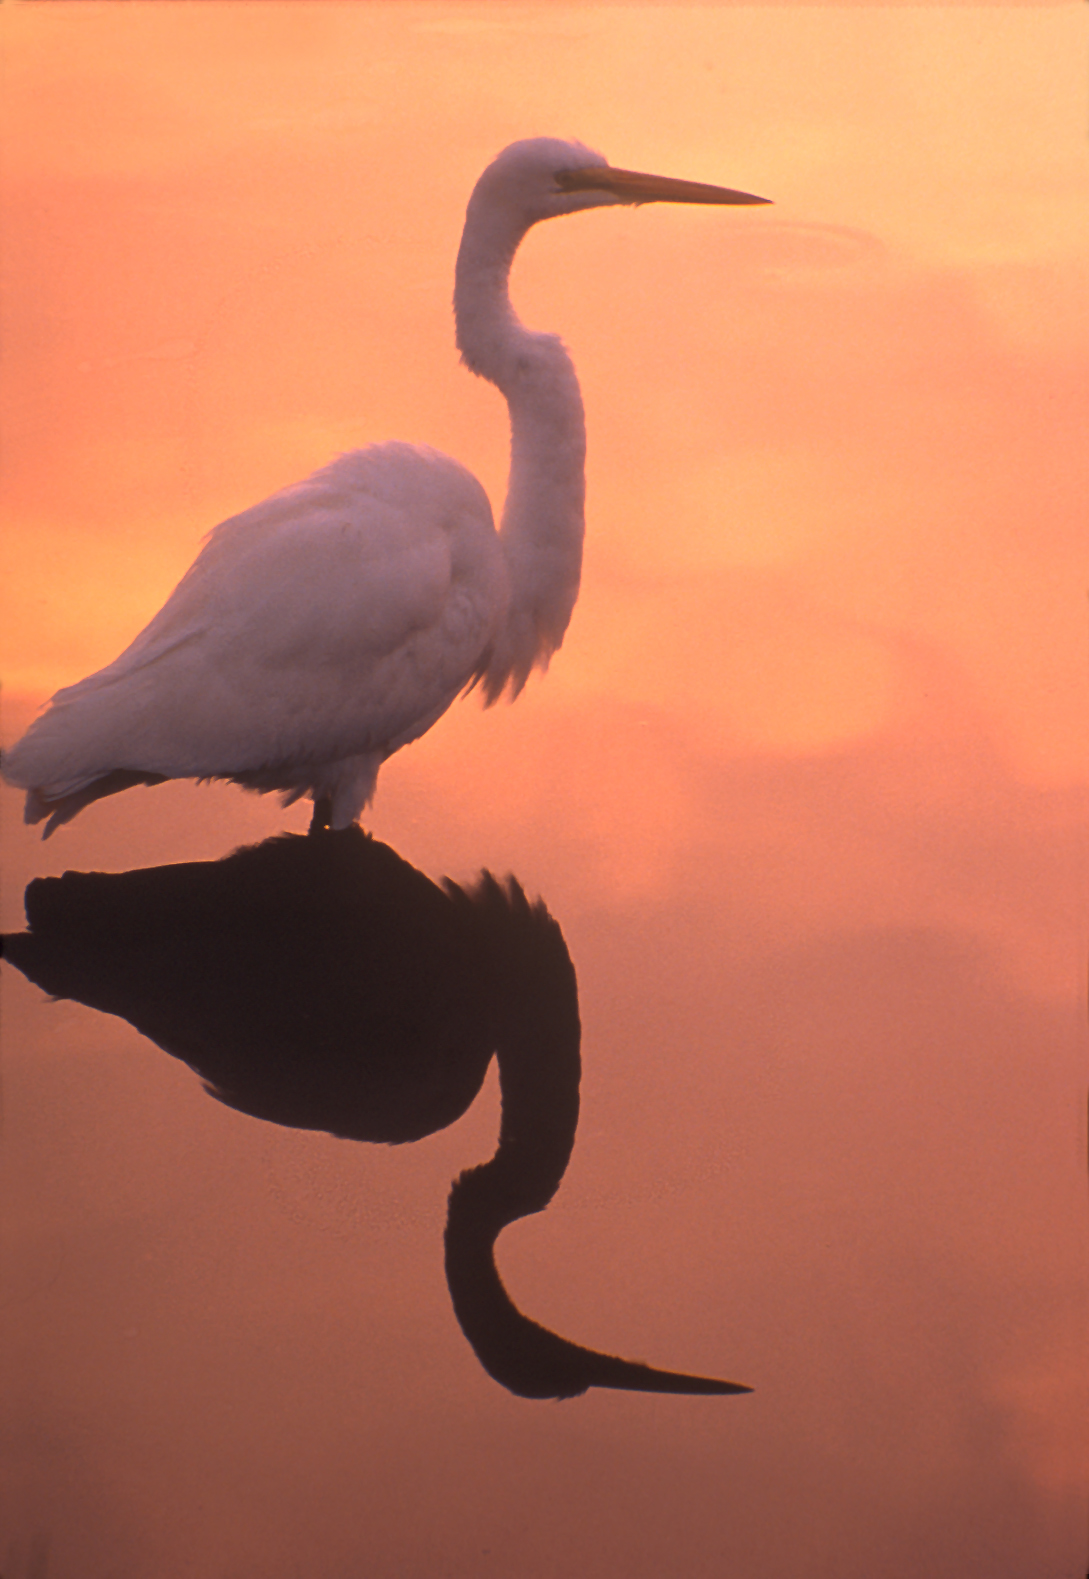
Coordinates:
325 628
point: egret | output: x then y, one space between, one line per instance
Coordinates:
325 628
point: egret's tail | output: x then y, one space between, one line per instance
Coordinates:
64 807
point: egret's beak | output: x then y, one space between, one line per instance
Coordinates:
630 186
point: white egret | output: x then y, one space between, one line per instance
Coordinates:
321 630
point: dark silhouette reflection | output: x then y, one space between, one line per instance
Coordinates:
323 983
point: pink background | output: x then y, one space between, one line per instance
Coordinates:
805 789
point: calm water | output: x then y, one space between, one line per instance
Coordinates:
840 1163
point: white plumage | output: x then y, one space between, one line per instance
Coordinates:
321 630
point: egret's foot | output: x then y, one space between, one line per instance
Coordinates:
323 814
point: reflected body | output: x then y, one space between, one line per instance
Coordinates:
327 984
321 630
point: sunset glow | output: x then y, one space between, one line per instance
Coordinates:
805 786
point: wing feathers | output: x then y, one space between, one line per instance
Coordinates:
339 617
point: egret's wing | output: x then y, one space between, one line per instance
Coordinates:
358 556
330 619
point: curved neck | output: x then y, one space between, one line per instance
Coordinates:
537 1046
543 519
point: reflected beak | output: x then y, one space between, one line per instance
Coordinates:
631 186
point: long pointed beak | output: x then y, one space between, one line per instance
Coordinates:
631 186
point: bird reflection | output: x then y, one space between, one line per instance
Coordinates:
327 984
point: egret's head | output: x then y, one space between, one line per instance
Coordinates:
542 177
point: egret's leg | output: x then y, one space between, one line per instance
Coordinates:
323 814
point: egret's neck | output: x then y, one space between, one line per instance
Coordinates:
543 518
